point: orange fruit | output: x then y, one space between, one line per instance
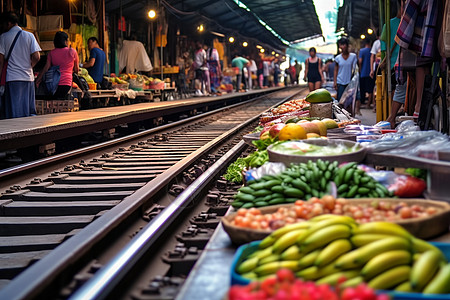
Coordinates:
292 131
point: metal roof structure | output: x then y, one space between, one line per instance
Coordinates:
356 16
273 22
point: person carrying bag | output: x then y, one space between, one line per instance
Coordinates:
5 65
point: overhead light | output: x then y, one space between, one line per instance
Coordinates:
277 55
244 44
231 39
218 33
363 36
259 46
273 52
200 28
152 14
369 30
261 50
284 57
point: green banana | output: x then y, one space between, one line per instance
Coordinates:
287 240
404 287
247 265
360 240
355 281
421 246
440 283
268 259
382 228
333 278
324 236
361 255
310 273
385 261
285 229
424 269
291 253
390 278
309 259
267 242
260 254
332 251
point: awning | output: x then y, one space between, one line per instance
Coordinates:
291 20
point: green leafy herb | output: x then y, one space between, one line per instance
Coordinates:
234 171
419 173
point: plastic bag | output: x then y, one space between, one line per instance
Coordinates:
269 168
349 96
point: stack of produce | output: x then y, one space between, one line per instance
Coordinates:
375 210
306 180
328 247
253 160
285 286
297 129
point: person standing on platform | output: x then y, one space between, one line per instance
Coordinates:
366 82
66 59
200 67
19 97
298 69
96 61
240 63
345 64
313 70
215 70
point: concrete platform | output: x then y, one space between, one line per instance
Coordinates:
44 129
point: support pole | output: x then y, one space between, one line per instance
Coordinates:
388 56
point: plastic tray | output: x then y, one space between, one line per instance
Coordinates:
243 251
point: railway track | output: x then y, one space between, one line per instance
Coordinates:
69 220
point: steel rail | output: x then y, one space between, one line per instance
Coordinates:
97 147
34 280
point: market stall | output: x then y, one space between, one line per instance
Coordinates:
315 216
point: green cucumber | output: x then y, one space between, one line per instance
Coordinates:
352 192
342 188
277 201
277 189
363 190
262 193
294 192
244 197
246 190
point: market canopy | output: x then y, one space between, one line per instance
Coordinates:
273 22
356 16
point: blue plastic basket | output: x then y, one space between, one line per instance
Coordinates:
245 250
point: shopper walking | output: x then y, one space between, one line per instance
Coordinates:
96 61
215 71
298 69
345 64
66 59
239 63
366 82
21 50
200 67
313 70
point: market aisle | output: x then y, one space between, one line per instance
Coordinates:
368 117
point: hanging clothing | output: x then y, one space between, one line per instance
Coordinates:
417 29
134 57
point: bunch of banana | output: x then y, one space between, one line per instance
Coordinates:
306 180
328 247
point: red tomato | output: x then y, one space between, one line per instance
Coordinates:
285 275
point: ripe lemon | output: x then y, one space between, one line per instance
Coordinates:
292 131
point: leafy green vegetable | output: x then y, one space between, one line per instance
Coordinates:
257 159
234 170
419 173
258 128
263 144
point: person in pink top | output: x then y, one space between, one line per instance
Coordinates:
67 60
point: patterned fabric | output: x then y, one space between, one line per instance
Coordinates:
417 30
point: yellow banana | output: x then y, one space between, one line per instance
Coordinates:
291 253
329 216
335 220
440 284
262 278
390 278
404 287
324 236
360 240
267 269
385 261
287 240
424 269
273 267
267 242
382 228
285 229
333 278
309 259
247 265
250 275
332 251
268 259
352 282
260 254
416 256
361 255
421 246
328 270
310 273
